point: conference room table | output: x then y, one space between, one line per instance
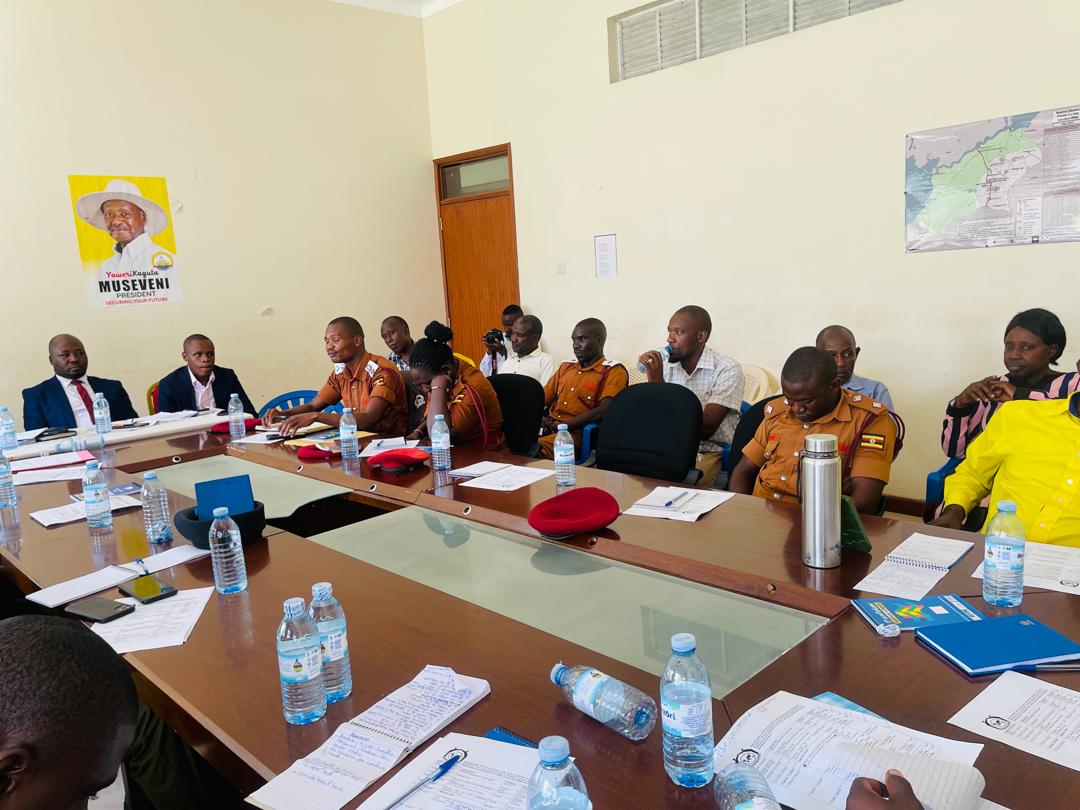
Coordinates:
443 600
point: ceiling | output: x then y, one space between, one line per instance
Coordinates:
409 8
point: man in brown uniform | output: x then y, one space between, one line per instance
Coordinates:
579 393
371 385
814 402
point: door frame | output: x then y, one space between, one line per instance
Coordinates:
465 157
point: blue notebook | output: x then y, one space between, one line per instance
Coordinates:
997 645
912 614
504 735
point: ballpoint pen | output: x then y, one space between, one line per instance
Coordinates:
678 498
435 776
1070 666
139 562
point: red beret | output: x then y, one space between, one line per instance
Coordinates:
586 509
399 459
223 427
313 452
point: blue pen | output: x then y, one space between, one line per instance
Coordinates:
139 562
678 498
435 776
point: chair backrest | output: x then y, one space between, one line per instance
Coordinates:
151 399
288 400
758 382
465 359
748 424
651 429
522 401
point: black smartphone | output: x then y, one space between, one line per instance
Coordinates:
98 609
54 433
147 589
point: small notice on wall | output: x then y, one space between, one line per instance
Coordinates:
607 256
126 241
1003 181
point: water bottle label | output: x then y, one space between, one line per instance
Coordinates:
440 442
300 668
686 719
587 688
564 454
1004 556
757 803
348 431
334 646
94 496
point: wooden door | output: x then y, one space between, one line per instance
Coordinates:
479 243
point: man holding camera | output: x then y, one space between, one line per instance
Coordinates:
498 343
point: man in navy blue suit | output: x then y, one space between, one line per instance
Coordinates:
66 399
201 384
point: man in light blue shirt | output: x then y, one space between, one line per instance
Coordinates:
840 343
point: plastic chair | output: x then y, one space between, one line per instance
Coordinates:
294 398
151 399
465 359
935 486
725 453
588 442
758 382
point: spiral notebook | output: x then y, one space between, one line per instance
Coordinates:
364 748
915 566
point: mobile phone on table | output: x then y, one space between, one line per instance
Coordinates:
147 589
54 433
99 609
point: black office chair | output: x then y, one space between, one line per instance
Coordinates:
747 427
522 401
652 429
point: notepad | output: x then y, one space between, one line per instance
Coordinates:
999 644
314 427
364 748
915 566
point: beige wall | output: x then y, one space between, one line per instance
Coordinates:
765 184
293 132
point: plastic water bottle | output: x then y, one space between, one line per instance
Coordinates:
155 509
300 665
1003 559
743 787
8 499
440 444
565 471
665 352
237 429
96 497
8 439
102 415
686 710
329 617
227 553
617 705
350 445
557 784
91 442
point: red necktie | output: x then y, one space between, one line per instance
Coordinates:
85 397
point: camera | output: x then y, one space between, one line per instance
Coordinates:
493 336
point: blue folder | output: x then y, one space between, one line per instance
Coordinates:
233 492
997 645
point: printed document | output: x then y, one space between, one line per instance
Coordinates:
493 775
1053 567
509 478
55 460
72 512
165 623
678 503
377 446
1036 716
43 476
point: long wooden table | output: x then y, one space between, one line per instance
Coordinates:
220 690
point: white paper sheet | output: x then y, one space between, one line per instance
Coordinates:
72 512
29 435
686 504
165 623
1036 716
493 776
86 585
167 559
370 744
477 469
42 476
810 751
897 579
1055 568
376 446
55 460
509 478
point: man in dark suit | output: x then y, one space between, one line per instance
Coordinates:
201 384
66 400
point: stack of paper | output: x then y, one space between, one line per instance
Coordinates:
377 446
915 566
678 503
55 460
370 744
478 469
165 623
1053 567
42 476
72 512
509 478
811 752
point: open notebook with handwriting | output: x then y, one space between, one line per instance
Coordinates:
364 748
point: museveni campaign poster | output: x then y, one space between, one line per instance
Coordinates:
126 240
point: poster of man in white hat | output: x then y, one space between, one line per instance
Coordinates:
126 240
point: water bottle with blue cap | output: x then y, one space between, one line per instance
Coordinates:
1003 557
227 554
608 700
9 438
686 712
557 784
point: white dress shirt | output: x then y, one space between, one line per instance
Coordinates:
485 361
83 418
204 394
538 365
